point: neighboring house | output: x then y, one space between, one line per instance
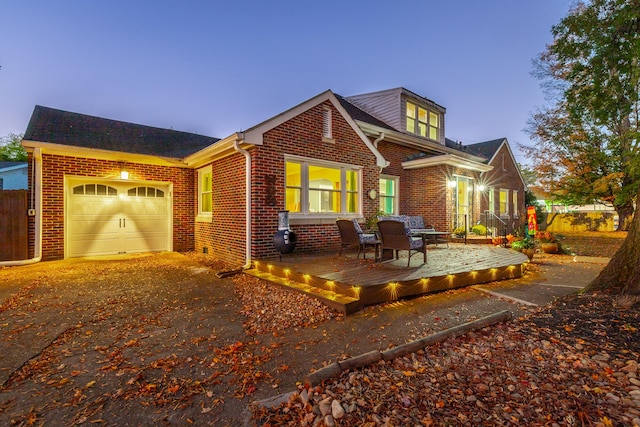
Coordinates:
13 176
106 186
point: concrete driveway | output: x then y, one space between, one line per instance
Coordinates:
158 339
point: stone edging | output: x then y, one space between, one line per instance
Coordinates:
335 369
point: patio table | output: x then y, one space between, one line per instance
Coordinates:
427 232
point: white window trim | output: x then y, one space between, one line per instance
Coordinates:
304 191
203 216
491 202
396 197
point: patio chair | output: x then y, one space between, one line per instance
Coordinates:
394 236
351 234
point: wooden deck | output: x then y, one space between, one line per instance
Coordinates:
348 284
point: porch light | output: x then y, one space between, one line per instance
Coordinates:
481 187
124 174
453 183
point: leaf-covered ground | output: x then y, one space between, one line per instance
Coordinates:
157 339
573 364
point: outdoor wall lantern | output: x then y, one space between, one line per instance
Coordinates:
453 183
124 174
481 187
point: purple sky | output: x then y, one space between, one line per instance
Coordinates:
216 67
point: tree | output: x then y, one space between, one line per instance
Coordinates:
577 163
11 150
594 62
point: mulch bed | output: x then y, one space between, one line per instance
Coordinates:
571 364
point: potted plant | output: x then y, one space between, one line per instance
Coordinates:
526 246
548 242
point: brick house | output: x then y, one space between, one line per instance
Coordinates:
101 186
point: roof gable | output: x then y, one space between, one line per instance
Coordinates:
55 126
255 134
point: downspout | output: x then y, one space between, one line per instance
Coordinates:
247 156
375 144
36 182
378 139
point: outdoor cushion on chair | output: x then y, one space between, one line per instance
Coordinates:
351 234
394 236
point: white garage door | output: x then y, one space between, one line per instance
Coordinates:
117 217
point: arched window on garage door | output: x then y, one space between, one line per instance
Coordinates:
145 192
95 190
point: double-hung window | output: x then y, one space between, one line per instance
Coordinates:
388 193
491 194
422 121
504 202
514 196
205 193
317 187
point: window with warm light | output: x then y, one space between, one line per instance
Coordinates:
504 202
388 193
514 202
315 187
205 193
422 121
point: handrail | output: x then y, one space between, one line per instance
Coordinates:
492 220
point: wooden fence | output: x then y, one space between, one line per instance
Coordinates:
14 226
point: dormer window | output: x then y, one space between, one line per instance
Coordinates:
422 121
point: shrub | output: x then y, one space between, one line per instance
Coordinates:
479 230
523 244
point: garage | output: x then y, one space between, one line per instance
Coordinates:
116 217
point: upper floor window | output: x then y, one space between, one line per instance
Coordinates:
422 122
388 195
314 187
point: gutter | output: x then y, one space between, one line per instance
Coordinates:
36 204
247 156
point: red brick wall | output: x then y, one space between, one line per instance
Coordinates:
302 136
506 177
224 236
424 191
54 169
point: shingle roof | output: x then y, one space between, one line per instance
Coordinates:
357 114
80 130
11 164
485 149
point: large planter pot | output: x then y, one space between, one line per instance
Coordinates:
550 248
529 253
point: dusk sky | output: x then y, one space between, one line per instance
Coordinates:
217 67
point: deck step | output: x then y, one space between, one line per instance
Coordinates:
345 304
